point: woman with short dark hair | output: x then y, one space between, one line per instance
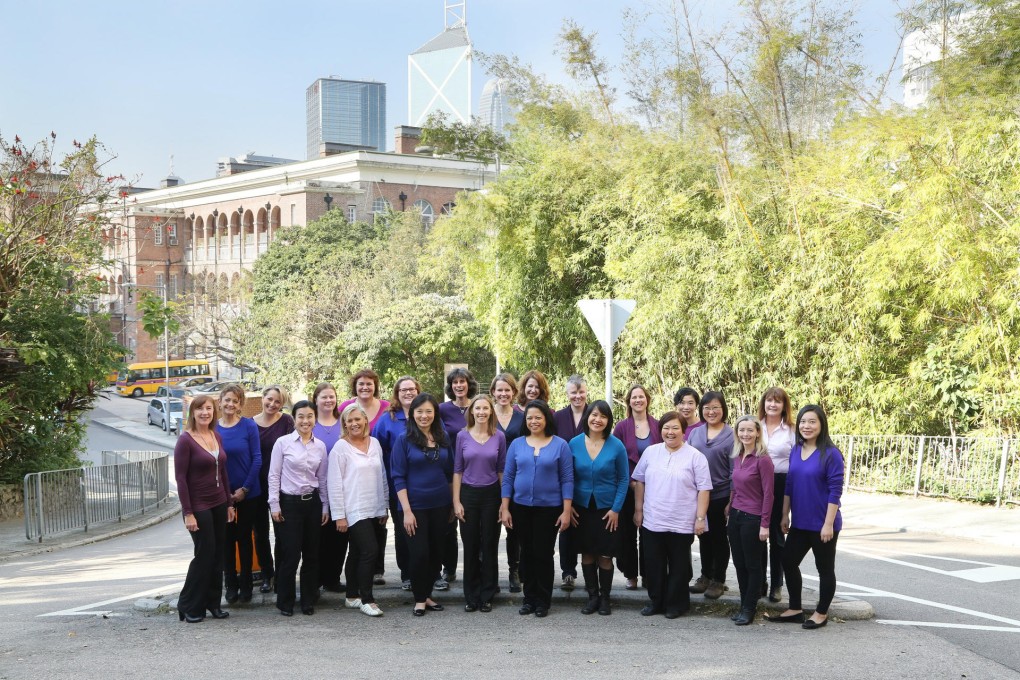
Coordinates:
601 479
637 431
461 388
715 440
539 479
686 401
814 487
422 464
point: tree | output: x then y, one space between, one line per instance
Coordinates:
474 140
54 354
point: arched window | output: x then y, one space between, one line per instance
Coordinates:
380 205
428 215
447 208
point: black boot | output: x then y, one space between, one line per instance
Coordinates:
591 584
605 587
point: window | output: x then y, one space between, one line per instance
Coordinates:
427 213
293 213
172 293
157 234
380 205
171 233
352 213
159 285
447 208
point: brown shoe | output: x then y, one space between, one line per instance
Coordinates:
714 590
699 586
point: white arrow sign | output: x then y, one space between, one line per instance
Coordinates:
607 319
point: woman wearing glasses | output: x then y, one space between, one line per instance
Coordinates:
422 465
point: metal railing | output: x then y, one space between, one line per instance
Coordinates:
983 469
126 484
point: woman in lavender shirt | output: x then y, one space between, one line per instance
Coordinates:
478 462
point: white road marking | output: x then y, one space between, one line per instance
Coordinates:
936 624
81 611
990 573
926 557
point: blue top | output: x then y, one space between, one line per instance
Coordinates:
386 430
607 477
542 480
812 486
717 452
427 482
244 455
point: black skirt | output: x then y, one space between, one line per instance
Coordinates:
593 538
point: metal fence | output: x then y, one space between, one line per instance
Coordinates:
126 484
983 469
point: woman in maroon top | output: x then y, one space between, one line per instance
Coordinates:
273 423
637 431
200 466
748 512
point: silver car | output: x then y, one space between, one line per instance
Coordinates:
157 414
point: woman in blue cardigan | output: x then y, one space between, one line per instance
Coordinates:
601 479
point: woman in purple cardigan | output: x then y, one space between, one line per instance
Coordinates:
637 431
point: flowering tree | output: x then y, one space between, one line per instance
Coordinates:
53 351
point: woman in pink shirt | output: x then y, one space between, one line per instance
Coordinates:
776 417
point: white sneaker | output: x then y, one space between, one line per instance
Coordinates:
353 604
371 609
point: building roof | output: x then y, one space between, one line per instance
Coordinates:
450 38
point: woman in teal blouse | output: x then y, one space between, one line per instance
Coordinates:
601 478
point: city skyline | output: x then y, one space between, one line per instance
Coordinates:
218 93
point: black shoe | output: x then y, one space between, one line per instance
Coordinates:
604 608
245 597
308 611
486 607
776 594
650 610
674 615
219 613
435 607
541 612
335 587
746 617
515 582
191 619
231 595
267 585
418 612
810 624
790 618
591 606
469 608
526 609
287 612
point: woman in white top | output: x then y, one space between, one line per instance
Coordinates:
670 507
777 434
358 500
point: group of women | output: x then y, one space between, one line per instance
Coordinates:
765 491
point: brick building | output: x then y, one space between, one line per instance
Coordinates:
199 239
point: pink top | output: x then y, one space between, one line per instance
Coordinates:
298 468
779 445
672 482
752 488
383 407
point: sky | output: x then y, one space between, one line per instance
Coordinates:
202 80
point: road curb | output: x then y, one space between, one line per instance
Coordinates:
165 442
170 509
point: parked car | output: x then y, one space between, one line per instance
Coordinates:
209 388
194 382
174 392
157 414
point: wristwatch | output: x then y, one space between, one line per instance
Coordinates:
701 519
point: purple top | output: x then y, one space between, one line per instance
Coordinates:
328 435
454 420
672 483
539 477
201 477
480 464
753 482
565 427
384 407
267 438
624 431
812 486
691 428
717 452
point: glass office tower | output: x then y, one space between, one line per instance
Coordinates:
345 113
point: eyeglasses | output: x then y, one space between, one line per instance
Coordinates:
407 390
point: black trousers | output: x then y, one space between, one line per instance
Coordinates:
513 551
713 545
399 539
668 569
480 533
451 551
568 553
298 542
629 561
743 529
332 552
536 529
260 524
380 538
425 549
203 586
798 543
361 559
773 557
239 541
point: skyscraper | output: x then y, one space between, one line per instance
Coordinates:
345 115
439 72
494 108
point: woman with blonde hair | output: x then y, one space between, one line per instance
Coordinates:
478 462
748 512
